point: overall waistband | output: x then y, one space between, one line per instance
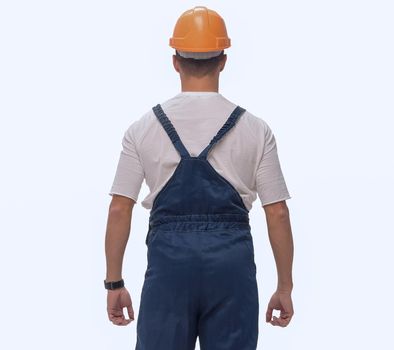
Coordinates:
200 221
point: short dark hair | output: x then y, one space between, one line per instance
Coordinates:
199 67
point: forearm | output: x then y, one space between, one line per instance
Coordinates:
281 240
117 234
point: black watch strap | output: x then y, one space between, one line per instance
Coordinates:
111 285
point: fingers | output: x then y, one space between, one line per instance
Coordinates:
117 318
281 321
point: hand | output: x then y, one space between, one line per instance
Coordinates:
280 301
117 299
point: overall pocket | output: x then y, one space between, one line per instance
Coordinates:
151 237
249 243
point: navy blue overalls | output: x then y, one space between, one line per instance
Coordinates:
201 275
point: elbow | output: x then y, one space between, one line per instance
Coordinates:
277 210
121 205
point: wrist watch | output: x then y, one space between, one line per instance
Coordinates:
111 285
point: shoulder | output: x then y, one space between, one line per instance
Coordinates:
257 126
148 119
255 121
139 127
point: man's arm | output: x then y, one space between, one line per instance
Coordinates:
280 235
281 240
117 234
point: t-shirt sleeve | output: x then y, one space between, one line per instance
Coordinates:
270 183
129 173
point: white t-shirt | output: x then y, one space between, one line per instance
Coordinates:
246 156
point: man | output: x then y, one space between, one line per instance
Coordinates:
205 159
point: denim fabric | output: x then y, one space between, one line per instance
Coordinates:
201 276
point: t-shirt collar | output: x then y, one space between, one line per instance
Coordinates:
198 93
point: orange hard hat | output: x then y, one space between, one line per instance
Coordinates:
200 30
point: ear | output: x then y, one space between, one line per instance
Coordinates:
175 63
223 62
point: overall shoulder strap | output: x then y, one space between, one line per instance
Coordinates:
170 130
232 119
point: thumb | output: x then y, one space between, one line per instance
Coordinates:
268 314
130 312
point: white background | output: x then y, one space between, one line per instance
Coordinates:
75 74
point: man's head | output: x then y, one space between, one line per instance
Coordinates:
199 38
